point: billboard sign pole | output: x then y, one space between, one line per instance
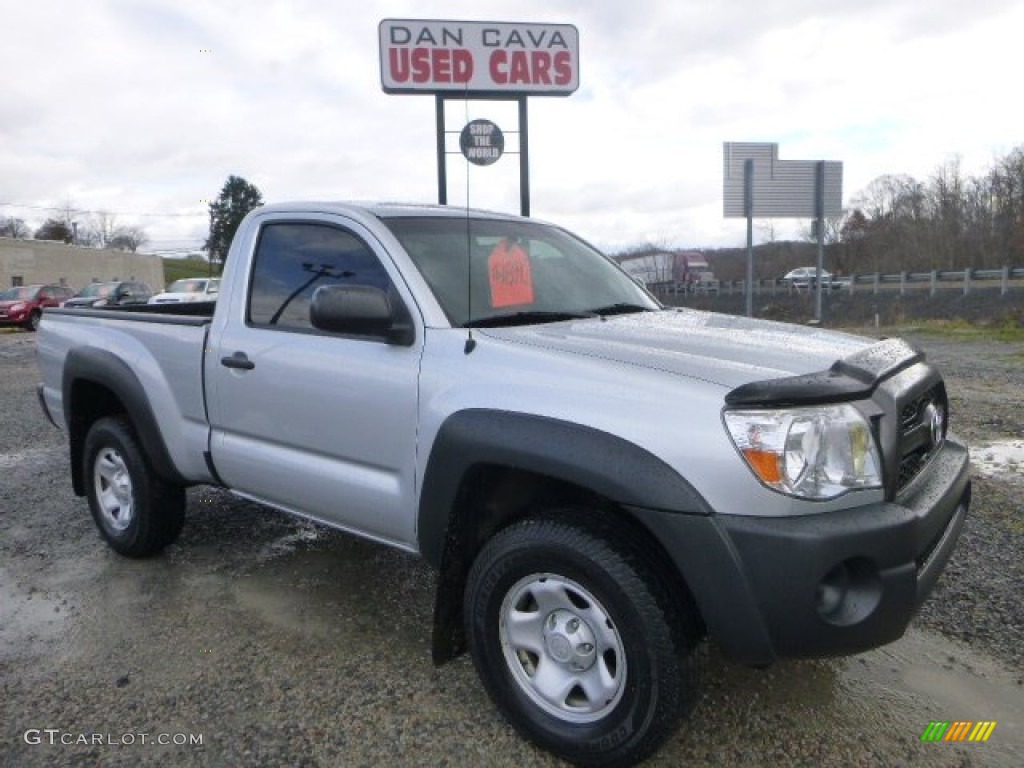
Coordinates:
748 206
757 183
475 60
819 217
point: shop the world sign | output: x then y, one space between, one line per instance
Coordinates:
483 57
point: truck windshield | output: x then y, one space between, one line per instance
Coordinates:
511 272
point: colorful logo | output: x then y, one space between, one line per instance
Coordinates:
958 730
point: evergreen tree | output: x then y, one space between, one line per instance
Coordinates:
236 199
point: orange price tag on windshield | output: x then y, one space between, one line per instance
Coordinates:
508 268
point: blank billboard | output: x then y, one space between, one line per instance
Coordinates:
782 188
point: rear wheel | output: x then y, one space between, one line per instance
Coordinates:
578 644
136 511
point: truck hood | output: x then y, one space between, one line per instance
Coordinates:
721 349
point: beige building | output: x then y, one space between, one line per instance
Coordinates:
26 262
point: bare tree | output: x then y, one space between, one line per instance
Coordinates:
1007 191
128 239
102 228
766 227
14 227
945 194
833 229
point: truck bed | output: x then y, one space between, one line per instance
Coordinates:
165 351
180 309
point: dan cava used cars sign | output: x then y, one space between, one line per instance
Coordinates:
432 56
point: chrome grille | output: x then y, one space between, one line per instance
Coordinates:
917 441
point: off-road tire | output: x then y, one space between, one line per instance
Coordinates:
650 635
137 512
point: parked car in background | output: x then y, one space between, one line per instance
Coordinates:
189 289
23 305
803 277
112 294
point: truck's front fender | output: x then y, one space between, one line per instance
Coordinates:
589 458
598 462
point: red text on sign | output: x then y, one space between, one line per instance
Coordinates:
431 65
456 65
531 68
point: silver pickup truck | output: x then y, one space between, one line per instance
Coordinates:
599 481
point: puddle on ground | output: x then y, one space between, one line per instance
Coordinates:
28 456
941 679
304 535
1001 458
958 680
29 619
888 696
353 591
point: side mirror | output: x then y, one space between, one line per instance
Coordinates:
359 310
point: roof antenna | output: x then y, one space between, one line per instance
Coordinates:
470 341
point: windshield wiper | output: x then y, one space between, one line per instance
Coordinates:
621 308
525 318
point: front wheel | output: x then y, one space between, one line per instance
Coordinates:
578 644
34 318
136 511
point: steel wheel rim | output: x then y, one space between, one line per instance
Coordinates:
113 485
562 648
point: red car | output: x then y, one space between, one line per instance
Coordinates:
23 305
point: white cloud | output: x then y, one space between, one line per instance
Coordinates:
116 105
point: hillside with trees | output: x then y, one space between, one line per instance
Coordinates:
898 223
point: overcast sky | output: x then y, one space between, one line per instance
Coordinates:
146 106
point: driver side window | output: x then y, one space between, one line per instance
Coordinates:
292 260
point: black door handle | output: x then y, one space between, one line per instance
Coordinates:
238 360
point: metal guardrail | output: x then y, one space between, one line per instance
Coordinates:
859 282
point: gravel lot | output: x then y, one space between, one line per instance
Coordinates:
284 644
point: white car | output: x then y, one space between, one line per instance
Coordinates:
189 289
803 277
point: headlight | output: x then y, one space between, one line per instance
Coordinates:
16 307
815 452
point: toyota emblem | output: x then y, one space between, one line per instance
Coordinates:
936 424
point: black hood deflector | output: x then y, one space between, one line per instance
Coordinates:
852 378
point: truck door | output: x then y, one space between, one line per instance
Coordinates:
317 423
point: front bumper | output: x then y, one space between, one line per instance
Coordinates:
824 584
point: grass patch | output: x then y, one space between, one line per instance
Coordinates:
1007 330
177 269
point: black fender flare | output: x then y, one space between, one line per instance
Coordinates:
601 462
104 368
